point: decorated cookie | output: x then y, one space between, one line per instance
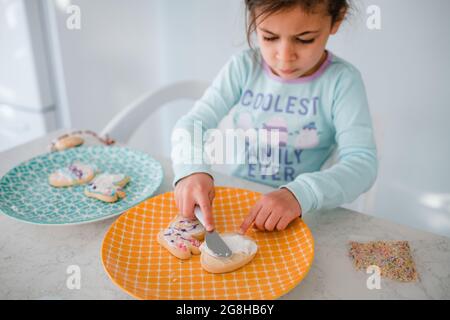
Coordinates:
107 187
244 250
182 237
67 143
181 244
192 227
75 174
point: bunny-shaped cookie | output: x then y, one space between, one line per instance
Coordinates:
74 174
107 187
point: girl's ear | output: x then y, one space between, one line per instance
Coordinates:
336 25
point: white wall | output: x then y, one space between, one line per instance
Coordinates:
199 36
112 59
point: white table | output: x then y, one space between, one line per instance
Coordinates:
34 259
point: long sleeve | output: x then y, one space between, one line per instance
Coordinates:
219 98
357 167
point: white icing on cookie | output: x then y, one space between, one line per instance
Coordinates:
188 226
75 171
106 184
237 244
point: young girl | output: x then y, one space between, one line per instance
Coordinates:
315 99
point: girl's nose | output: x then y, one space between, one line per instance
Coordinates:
286 52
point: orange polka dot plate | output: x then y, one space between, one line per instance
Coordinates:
139 265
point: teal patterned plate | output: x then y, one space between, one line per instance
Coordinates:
26 195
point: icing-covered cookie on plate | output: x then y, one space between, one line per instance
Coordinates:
183 237
181 244
192 227
107 187
244 250
75 174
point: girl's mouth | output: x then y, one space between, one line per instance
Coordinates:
288 71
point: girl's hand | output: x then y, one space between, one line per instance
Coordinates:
196 189
274 210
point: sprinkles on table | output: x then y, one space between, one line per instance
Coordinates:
392 257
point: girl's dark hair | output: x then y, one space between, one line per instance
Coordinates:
335 8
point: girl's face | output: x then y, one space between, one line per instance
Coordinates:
293 42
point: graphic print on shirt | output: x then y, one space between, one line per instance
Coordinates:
279 124
308 137
293 118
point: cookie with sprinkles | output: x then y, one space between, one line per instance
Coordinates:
392 257
75 174
181 244
193 227
107 187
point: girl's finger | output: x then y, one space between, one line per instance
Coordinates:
250 218
180 206
178 203
188 208
263 214
283 223
272 221
205 206
211 195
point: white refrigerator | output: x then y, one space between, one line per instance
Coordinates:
27 106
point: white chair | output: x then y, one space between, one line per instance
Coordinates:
126 122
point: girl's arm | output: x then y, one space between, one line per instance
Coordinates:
207 112
356 170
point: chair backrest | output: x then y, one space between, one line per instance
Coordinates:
126 122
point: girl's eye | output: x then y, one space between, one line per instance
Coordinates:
270 39
297 39
306 41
